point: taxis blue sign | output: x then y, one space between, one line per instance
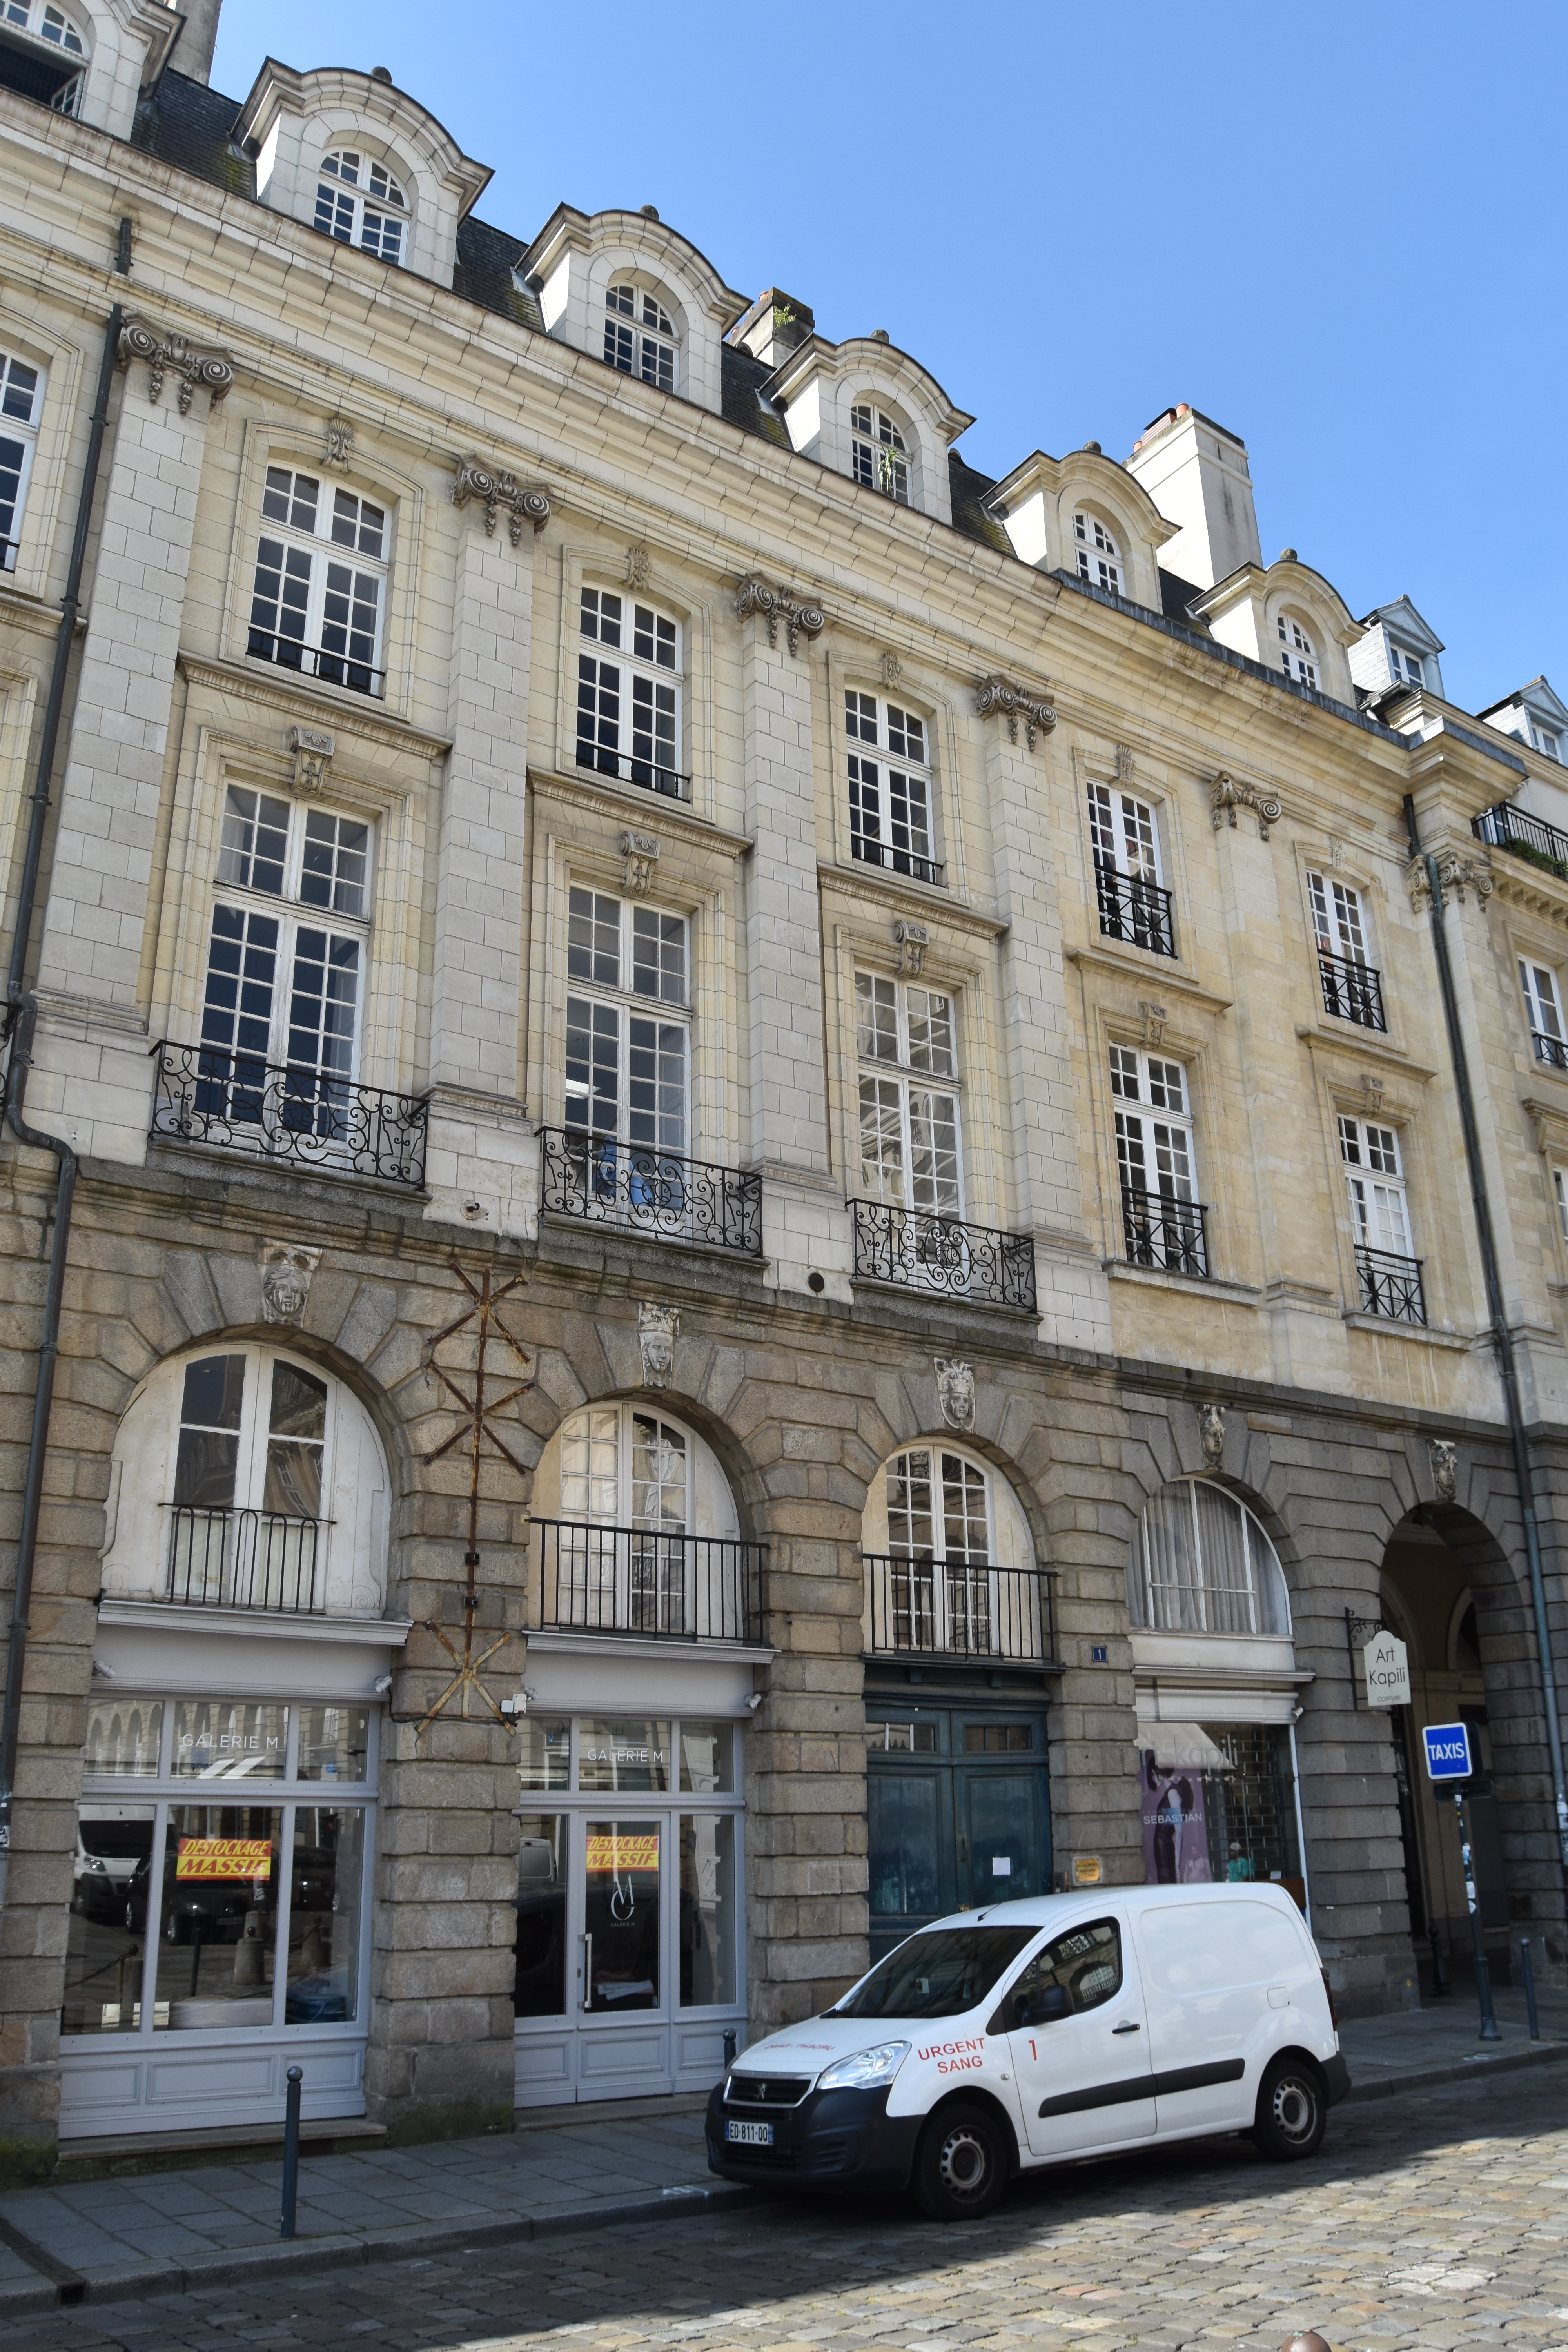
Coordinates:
1447 1748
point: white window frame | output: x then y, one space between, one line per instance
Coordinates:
1099 559
641 337
892 797
1298 659
22 388
1546 740
359 203
613 1006
1187 1607
1375 1181
630 705
879 453
1124 833
1162 1213
1407 668
321 571
899 1100
1560 1192
1339 918
939 1596
1543 1006
48 26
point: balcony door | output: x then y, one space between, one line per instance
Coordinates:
958 1810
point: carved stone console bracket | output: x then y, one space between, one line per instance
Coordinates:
171 355
1227 793
1456 872
1013 702
499 489
776 604
313 748
640 851
911 940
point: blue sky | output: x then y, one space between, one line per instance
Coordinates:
1337 229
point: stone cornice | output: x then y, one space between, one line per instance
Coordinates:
1156 973
628 804
921 905
349 716
1364 1045
1517 882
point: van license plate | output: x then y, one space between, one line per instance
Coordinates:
750 2135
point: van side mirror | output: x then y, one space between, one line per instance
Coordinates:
1044 2007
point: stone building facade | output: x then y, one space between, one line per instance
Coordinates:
770 1226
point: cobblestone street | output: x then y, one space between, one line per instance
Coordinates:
1437 2220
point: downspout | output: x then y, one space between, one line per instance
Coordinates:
21 1019
1501 1335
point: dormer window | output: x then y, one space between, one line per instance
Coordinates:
1298 659
639 338
45 23
56 86
1545 741
359 203
878 455
1099 557
1407 667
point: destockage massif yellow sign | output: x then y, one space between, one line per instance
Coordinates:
225 1858
624 1852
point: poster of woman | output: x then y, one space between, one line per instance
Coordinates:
1176 1832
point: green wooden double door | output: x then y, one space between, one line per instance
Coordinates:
958 1808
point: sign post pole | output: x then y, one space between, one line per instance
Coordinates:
1483 1973
1449 1759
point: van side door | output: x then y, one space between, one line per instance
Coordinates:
1075 2024
1219 1977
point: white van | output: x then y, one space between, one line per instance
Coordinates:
1027 2033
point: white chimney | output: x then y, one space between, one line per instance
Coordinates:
1197 476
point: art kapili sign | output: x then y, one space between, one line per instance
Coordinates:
1388 1663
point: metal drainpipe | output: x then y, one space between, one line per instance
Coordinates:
1501 1332
21 1017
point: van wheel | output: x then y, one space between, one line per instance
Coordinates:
1292 2110
961 2165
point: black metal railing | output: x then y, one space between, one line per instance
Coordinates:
245 1560
1352 991
658 1581
872 852
311 1118
920 1251
1529 837
630 770
1553 1051
337 668
1160 1232
1135 910
1390 1285
593 1177
959 1609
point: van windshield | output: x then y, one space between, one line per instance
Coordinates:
938 1974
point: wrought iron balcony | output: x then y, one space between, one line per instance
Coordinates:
1160 1231
926 1608
245 1560
658 1582
1135 910
610 1183
305 1119
631 769
1553 1051
337 667
1529 837
899 861
1390 1285
922 1252
1352 991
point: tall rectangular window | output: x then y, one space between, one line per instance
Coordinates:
318 598
890 796
1352 988
1543 1004
1161 1217
21 400
1389 1273
629 693
910 1154
1124 839
627 1022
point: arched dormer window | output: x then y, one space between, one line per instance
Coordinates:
56 80
1097 556
1202 1564
878 455
1298 657
639 335
359 203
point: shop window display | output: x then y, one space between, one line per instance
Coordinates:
1219 1803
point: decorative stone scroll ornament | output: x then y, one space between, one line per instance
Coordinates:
1227 793
171 355
776 604
892 669
911 940
998 693
955 1392
639 566
1124 764
1154 1019
338 456
1211 1433
286 1271
313 748
1444 1469
659 1327
1371 1093
640 851
1456 872
498 489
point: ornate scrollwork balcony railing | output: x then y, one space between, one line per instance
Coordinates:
659 1192
1551 1051
335 667
1529 837
1159 1231
307 1118
245 1560
1352 991
1135 910
920 1251
628 768
658 1582
959 1609
1390 1285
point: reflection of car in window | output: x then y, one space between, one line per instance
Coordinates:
112 1840
540 1988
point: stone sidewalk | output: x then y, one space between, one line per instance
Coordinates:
213 2225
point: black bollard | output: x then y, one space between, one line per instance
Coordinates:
729 2040
291 2151
1530 2009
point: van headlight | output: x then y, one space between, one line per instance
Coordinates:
866 2071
